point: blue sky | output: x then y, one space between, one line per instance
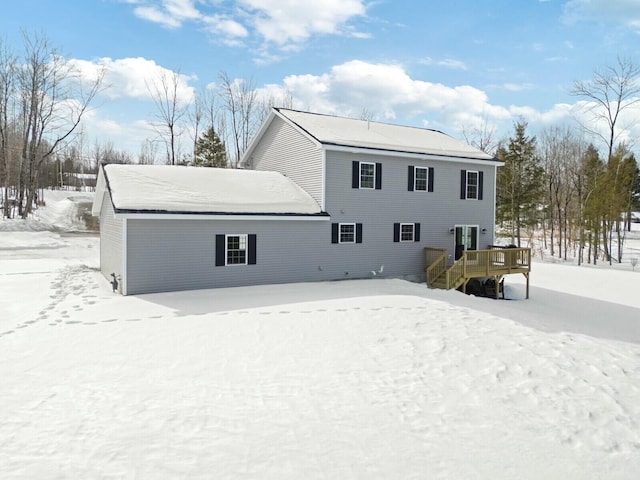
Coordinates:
445 65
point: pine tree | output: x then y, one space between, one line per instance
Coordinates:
520 182
210 151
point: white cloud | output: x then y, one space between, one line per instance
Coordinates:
285 24
624 12
130 77
282 22
156 15
390 93
168 13
225 26
516 87
447 63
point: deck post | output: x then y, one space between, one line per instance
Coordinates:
527 276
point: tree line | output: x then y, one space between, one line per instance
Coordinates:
579 198
43 99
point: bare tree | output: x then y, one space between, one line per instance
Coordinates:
284 100
52 103
7 85
610 92
239 104
561 151
148 153
169 110
483 137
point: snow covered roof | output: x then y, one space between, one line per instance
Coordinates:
348 132
179 189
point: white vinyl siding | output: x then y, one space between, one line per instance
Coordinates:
286 150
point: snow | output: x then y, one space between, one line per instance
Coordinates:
377 378
180 189
331 131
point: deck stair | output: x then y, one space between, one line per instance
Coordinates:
495 262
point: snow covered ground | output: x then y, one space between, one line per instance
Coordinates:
360 379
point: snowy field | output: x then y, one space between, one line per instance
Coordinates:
366 379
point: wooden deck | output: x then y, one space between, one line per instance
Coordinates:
495 262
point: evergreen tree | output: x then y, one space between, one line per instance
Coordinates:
520 182
210 151
592 193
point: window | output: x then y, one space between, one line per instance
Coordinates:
235 249
366 175
346 233
406 232
420 179
470 185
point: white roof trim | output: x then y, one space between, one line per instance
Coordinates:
187 216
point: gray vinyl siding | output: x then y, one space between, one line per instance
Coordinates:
179 254
378 210
110 240
284 149
167 255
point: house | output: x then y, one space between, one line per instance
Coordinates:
319 198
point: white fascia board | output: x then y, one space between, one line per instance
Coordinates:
323 202
98 197
417 156
187 216
125 255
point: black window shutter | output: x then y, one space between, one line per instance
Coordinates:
396 232
358 233
416 232
220 248
463 184
430 187
355 174
378 176
252 250
334 233
480 178
411 178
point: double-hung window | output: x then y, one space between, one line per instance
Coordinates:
471 185
366 175
406 232
420 179
346 233
235 249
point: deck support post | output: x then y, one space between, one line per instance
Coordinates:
526 274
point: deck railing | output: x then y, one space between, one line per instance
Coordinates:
435 260
493 262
